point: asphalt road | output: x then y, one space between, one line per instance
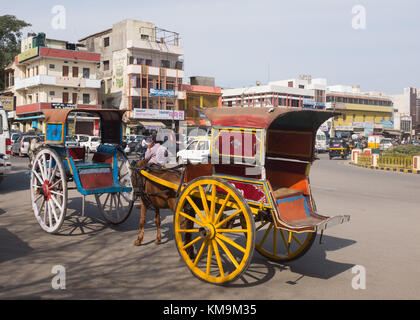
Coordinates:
101 261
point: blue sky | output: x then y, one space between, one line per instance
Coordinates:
241 42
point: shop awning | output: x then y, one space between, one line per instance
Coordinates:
152 124
30 118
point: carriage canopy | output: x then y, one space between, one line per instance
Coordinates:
110 126
289 132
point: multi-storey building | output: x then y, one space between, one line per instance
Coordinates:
361 112
140 68
53 74
7 95
407 111
301 92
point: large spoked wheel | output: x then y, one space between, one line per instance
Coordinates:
49 190
214 230
281 245
116 207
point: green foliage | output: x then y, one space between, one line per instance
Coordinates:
10 35
403 151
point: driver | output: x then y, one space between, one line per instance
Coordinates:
156 153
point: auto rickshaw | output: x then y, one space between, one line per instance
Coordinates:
339 148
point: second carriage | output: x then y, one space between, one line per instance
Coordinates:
253 194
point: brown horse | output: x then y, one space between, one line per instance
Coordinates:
158 196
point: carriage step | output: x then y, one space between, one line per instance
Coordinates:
112 189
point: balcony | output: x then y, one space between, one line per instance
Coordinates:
42 79
155 46
154 71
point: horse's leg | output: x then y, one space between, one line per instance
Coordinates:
143 211
157 222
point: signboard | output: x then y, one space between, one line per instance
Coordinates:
63 105
308 101
163 93
158 114
368 132
388 124
28 54
6 103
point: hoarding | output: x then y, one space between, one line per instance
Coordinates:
158 114
28 54
163 93
6 103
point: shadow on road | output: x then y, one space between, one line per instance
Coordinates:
313 264
15 181
11 246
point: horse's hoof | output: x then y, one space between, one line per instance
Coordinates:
137 242
158 241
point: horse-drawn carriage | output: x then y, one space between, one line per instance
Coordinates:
253 194
107 175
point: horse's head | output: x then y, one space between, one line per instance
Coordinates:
137 166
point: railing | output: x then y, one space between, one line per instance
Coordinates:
364 159
395 162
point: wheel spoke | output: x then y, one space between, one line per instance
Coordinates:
284 240
265 234
219 261
54 212
191 242
296 239
228 253
57 203
200 253
274 241
196 209
222 208
213 203
38 177
49 213
188 230
191 218
228 218
232 230
209 256
204 201
231 242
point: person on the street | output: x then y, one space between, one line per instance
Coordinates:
156 153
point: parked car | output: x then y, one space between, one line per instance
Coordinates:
385 144
21 146
71 142
14 136
196 151
135 143
91 143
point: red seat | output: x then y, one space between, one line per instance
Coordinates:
77 153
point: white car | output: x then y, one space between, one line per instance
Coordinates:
196 151
89 142
5 145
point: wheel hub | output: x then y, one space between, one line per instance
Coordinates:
208 231
46 189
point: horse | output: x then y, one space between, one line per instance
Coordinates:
156 195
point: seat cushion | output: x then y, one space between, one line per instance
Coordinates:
281 193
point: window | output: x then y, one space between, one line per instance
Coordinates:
86 98
165 63
301 86
75 72
148 62
86 73
65 71
52 93
106 42
52 66
290 84
144 37
192 145
65 97
36 70
106 65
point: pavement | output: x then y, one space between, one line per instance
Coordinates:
101 262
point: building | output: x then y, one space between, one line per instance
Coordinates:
407 111
301 92
141 69
201 92
7 95
363 113
54 74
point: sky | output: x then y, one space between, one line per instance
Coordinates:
241 42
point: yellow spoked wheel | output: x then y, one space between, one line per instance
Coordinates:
214 230
281 245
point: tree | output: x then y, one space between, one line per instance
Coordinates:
10 35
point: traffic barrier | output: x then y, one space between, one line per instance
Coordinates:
375 159
364 159
416 162
354 154
367 151
395 162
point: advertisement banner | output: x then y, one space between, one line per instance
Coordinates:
6 103
163 93
63 105
158 114
28 54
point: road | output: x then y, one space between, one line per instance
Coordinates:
101 261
